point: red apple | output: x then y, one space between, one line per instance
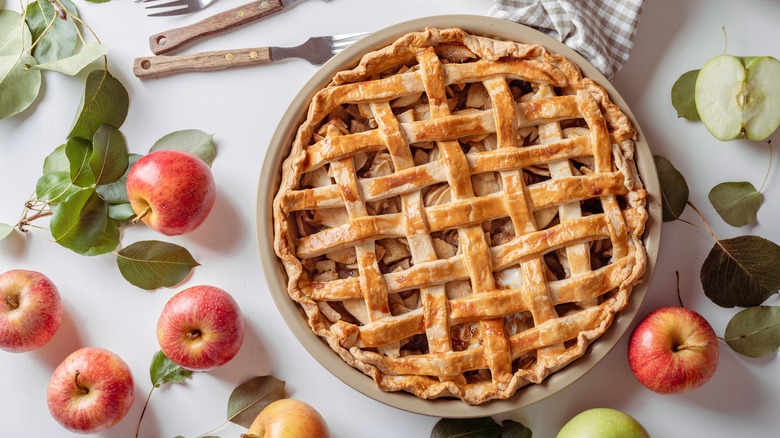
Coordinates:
91 390
288 418
171 191
30 312
673 350
200 328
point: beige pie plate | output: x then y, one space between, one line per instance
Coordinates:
277 278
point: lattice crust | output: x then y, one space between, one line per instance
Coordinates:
461 216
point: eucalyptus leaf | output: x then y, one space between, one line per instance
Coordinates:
163 370
15 36
674 189
116 192
79 222
482 427
755 331
19 87
98 1
683 95
72 65
5 230
251 397
78 152
107 242
57 41
193 141
108 161
737 203
151 264
55 187
743 271
513 429
57 161
105 101
120 212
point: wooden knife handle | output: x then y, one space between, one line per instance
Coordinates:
168 40
156 66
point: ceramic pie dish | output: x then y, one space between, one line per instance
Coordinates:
385 237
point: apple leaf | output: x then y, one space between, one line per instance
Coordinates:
737 203
79 222
57 161
116 192
78 152
19 87
105 102
683 95
55 187
193 141
5 230
482 427
72 65
109 158
151 264
120 212
755 331
163 370
674 189
57 38
251 397
743 271
513 429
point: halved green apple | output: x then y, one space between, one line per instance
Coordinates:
738 97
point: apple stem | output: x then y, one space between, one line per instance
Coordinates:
142 214
141 418
691 346
194 334
78 385
12 301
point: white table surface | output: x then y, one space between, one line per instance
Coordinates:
241 107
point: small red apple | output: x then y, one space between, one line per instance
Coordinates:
288 418
30 311
172 191
91 390
200 328
673 350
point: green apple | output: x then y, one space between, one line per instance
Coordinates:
738 97
603 423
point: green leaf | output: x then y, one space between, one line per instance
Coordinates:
513 429
78 152
755 332
105 102
98 1
5 230
55 187
18 86
61 39
108 161
151 264
193 141
483 427
743 271
107 242
163 370
72 65
737 203
79 222
120 212
15 36
683 95
116 192
57 161
251 397
674 189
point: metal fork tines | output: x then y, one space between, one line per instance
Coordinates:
317 50
176 7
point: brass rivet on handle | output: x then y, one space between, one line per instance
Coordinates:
264 5
241 13
253 54
229 57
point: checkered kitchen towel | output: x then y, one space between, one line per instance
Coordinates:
600 30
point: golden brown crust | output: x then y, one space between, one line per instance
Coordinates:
461 216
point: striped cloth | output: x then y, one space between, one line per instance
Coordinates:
600 30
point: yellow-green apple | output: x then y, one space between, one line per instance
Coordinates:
30 312
200 328
171 191
673 350
91 390
603 423
288 418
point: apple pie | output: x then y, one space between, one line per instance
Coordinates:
461 216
